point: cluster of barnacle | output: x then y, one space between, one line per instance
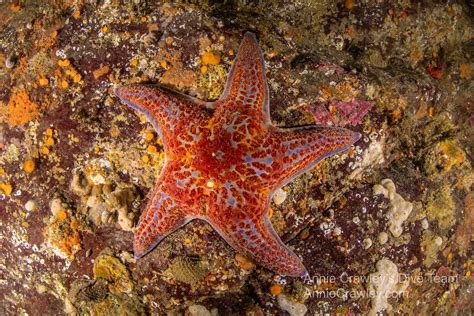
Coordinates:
187 270
105 199
110 292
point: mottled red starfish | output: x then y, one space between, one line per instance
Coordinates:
224 160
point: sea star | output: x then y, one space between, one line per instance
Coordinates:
224 160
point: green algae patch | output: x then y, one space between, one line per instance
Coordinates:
445 156
451 154
431 244
440 207
111 269
210 83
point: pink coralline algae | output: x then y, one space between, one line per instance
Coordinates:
340 113
224 160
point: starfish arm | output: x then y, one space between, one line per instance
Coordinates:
161 217
175 202
300 149
163 107
249 231
246 89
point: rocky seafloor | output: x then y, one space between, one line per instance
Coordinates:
384 227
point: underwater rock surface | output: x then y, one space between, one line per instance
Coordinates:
386 226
